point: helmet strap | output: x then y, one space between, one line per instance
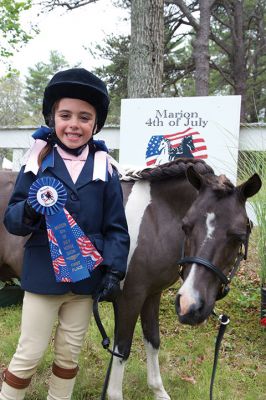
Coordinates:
75 152
53 139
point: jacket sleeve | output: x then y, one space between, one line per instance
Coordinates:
115 230
15 219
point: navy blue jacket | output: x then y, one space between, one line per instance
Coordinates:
96 206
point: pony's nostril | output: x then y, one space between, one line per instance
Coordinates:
200 306
177 303
196 307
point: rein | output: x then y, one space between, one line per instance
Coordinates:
225 280
105 343
224 321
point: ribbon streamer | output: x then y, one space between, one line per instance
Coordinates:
73 255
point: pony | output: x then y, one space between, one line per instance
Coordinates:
177 210
11 246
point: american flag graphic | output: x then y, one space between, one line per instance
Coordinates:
87 249
71 221
51 236
58 263
175 141
89 252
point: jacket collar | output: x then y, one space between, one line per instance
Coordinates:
60 171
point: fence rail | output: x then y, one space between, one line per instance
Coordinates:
251 137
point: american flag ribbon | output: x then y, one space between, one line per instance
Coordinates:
71 220
176 146
87 251
72 253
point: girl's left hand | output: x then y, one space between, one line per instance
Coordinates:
109 288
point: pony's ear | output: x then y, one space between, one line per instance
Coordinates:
194 177
250 187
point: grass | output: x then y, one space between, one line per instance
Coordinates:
186 354
249 163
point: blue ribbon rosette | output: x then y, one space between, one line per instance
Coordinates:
73 255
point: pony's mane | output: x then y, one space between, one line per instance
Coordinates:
221 185
176 168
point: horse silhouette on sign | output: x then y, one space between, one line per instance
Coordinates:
170 153
185 149
164 149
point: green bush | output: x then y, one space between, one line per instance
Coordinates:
249 163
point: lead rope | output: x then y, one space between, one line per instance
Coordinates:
224 321
105 343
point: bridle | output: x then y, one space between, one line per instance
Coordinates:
224 290
225 280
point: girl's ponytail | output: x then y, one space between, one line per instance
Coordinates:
46 150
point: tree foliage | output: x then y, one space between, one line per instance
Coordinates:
238 36
36 80
115 50
11 33
211 47
69 5
13 109
229 58
21 104
236 52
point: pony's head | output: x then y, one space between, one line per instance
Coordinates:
216 230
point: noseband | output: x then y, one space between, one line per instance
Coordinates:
225 280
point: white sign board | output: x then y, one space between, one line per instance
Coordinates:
158 130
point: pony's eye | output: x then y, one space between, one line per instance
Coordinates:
237 236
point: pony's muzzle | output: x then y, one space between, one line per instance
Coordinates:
191 313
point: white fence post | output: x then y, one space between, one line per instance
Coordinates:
17 158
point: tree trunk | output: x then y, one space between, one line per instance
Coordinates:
238 55
146 51
201 50
201 42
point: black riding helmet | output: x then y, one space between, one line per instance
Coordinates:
77 83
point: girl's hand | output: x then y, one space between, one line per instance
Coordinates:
30 213
110 287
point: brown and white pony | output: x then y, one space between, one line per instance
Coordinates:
176 209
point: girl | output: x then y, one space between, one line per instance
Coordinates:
75 107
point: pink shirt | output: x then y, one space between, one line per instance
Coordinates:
74 164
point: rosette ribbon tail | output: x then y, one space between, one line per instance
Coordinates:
41 137
32 162
72 253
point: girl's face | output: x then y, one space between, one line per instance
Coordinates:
74 122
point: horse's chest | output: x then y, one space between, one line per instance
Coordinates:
137 201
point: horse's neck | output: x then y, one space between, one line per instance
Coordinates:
188 148
165 149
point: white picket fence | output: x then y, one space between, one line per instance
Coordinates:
19 139
251 137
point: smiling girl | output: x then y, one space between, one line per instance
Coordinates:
75 107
